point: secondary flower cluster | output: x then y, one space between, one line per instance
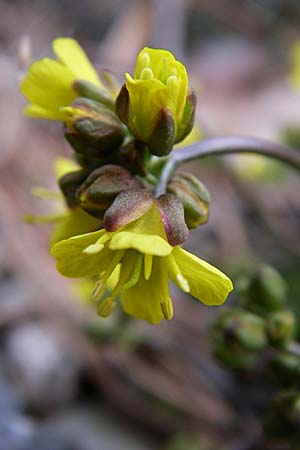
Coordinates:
115 227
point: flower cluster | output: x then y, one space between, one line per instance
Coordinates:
115 227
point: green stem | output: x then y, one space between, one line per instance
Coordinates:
224 146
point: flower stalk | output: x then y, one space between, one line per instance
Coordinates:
226 145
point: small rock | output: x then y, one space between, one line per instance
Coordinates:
40 366
16 432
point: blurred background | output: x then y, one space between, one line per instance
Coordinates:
70 380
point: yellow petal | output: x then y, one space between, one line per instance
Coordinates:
32 110
144 103
143 301
72 55
144 243
72 262
62 166
207 283
156 57
75 222
48 84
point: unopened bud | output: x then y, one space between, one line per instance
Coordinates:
102 186
266 291
281 327
288 403
132 157
92 129
194 197
89 162
238 338
187 122
286 367
69 184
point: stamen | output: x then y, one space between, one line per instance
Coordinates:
183 283
136 272
172 81
43 193
146 74
148 260
106 307
97 295
96 290
167 309
145 60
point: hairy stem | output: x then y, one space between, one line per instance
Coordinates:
224 146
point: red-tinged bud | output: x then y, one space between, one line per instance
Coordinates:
194 197
102 186
92 129
69 184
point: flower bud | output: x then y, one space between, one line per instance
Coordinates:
194 197
238 338
286 367
156 104
69 184
281 327
102 186
89 162
92 129
288 404
266 291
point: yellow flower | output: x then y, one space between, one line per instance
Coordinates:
156 103
140 260
49 84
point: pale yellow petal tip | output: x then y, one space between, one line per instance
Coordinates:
57 43
93 249
183 283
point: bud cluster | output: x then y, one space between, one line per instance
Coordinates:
126 218
241 333
117 136
263 334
